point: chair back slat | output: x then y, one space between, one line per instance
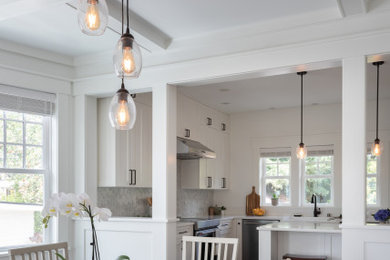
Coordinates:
47 252
210 247
192 250
206 251
199 251
225 252
219 252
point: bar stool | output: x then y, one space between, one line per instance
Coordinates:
303 257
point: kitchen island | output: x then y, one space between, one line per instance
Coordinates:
305 238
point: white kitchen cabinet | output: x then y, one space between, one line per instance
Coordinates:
183 229
188 118
211 128
125 156
195 174
238 233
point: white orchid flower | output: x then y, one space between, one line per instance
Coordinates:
52 206
69 204
101 214
84 199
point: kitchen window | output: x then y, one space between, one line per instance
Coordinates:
24 169
372 180
275 175
318 175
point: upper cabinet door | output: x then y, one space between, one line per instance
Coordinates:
125 157
187 118
139 148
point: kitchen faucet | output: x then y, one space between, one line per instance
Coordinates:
316 211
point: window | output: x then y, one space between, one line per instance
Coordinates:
24 172
318 176
275 168
372 180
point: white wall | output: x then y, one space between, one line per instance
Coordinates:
280 128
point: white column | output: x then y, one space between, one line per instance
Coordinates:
62 162
85 145
354 141
164 169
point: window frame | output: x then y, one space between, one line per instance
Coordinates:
45 171
304 177
263 178
377 175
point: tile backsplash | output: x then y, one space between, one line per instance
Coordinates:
131 202
125 202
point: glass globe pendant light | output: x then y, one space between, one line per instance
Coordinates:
122 111
301 149
92 16
376 148
127 54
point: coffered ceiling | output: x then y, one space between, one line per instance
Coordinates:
162 26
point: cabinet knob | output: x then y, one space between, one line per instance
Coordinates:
209 121
223 127
187 133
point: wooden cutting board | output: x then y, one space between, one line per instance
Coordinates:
252 202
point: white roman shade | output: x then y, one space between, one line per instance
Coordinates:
275 152
27 101
323 150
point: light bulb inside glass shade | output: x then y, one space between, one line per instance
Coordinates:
376 148
122 111
127 57
301 151
92 19
92 16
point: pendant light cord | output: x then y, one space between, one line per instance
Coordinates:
122 17
377 99
127 7
301 108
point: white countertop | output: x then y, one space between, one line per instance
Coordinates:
302 227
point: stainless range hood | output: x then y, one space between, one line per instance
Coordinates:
189 150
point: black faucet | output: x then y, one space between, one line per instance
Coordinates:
316 211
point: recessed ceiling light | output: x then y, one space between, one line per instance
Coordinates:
224 89
225 103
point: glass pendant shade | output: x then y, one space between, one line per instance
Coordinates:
301 151
127 57
92 16
122 111
376 148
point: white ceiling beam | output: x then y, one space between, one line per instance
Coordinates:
15 8
351 7
147 35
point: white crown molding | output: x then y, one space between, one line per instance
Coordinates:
294 56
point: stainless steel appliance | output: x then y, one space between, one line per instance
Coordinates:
250 237
188 149
203 227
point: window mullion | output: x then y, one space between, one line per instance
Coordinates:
24 143
5 142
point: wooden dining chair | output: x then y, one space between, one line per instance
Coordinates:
41 252
205 248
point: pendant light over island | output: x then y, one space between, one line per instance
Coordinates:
301 149
376 148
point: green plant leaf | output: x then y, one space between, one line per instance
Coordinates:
60 256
